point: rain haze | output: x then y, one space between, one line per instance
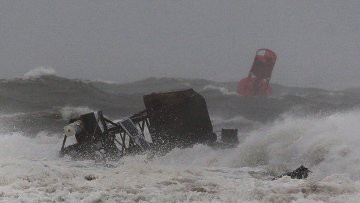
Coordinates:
152 101
317 42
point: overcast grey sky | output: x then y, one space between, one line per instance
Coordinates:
317 42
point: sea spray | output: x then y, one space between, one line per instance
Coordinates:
327 143
39 71
31 171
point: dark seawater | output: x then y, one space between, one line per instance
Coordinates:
47 102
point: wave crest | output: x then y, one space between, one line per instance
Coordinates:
39 71
223 90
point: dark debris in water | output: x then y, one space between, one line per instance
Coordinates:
90 177
300 173
198 189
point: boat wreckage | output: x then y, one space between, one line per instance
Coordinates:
172 119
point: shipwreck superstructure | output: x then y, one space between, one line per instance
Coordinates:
171 119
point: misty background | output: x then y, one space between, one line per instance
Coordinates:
317 42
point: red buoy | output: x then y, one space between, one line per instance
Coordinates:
258 81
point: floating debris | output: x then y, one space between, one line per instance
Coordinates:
173 119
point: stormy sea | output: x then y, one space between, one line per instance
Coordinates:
296 126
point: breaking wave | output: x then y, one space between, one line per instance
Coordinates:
328 145
317 129
39 71
223 90
69 112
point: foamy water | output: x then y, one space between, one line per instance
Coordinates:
223 90
39 71
31 171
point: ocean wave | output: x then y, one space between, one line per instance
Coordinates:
69 112
48 93
223 90
39 71
34 172
328 145
277 135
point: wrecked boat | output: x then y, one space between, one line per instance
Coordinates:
171 119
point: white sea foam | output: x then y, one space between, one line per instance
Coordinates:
39 71
31 171
216 120
69 112
109 82
223 90
328 145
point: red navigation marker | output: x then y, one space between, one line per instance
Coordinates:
258 81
